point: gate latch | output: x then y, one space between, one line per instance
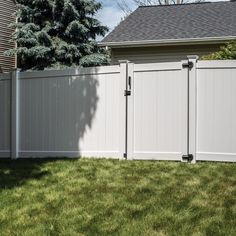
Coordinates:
127 93
188 65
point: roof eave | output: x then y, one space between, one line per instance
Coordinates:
167 42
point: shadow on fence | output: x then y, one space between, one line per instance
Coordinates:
58 115
55 113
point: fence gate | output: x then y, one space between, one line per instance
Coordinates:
158 111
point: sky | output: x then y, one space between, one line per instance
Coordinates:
110 15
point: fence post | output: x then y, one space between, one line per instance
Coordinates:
130 114
15 114
123 108
192 105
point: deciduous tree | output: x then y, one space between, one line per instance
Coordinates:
227 52
125 5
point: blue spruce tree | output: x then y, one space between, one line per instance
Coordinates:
58 33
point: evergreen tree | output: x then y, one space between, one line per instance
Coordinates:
57 33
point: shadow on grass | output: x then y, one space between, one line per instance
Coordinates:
14 173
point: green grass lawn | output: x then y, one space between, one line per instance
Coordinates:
105 197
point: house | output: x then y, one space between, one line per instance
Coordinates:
7 9
170 33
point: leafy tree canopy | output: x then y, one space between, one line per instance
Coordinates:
57 33
227 52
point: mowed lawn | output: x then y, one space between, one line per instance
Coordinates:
106 197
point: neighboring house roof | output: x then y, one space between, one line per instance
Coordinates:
176 23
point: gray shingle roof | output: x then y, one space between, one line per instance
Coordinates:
201 20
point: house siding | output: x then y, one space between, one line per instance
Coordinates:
160 54
7 9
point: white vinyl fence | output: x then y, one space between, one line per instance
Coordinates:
5 115
170 111
216 111
67 113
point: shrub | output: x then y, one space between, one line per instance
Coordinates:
226 52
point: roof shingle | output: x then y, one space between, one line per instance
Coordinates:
184 21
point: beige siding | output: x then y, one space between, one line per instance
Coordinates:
7 9
160 54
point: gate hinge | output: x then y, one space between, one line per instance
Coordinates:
188 65
188 157
127 93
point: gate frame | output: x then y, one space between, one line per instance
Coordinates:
193 106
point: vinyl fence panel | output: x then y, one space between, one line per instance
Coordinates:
216 110
5 116
71 113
